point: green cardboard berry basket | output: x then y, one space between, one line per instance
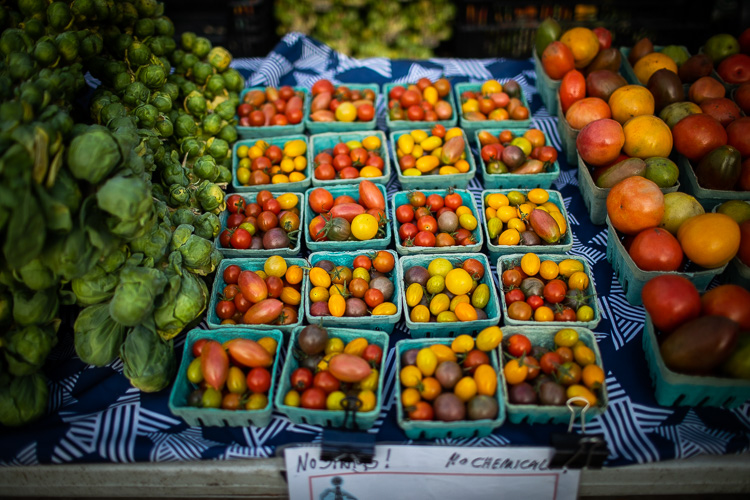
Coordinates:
392 125
595 198
519 181
284 252
677 389
252 264
298 186
379 323
331 418
504 262
633 279
321 142
275 130
323 127
563 246
349 245
547 414
402 198
435 429
547 87
708 198
433 181
453 328
217 417
473 126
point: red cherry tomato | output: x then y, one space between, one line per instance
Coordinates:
259 380
301 379
518 345
231 274
405 213
435 202
425 239
514 295
326 381
313 398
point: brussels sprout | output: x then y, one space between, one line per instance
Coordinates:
136 94
164 126
72 255
148 361
110 35
218 148
128 13
145 8
225 110
196 255
172 90
58 15
201 47
147 115
37 276
180 236
34 307
207 225
91 46
228 133
192 147
164 26
215 84
219 58
196 104
153 76
122 44
157 46
182 302
185 126
105 9
121 81
144 28
138 54
94 287
27 348
14 40
155 243
23 400
210 196
205 168
98 337
94 154
111 111
187 87
135 295
178 195
225 175
174 173
190 60
211 124
233 80
201 72
45 52
21 66
183 216
187 39
234 98
162 101
115 259
130 205
34 28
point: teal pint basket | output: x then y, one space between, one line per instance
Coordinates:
454 328
421 429
298 186
547 87
595 198
677 389
314 127
217 417
392 125
708 198
402 198
331 418
321 142
275 130
568 136
349 245
284 252
378 323
518 181
252 264
626 69
470 126
738 273
563 246
433 181
505 261
633 279
545 414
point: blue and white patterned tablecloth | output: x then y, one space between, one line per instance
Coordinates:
95 416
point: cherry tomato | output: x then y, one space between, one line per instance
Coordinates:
373 354
230 291
407 231
225 237
231 274
425 239
565 314
301 379
198 347
240 239
320 200
511 277
405 213
313 398
235 203
417 199
514 295
383 262
241 303
326 381
259 380
365 112
554 291
421 411
519 310
534 367
427 223
225 309
535 302
474 358
518 345
373 297
550 361
435 202
362 261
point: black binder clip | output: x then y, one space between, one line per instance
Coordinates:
578 451
347 445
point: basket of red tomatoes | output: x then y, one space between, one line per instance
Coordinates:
346 158
271 111
343 108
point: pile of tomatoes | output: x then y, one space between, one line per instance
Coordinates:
268 296
536 374
494 101
272 106
344 218
545 291
232 376
451 381
341 104
438 151
446 293
263 163
507 152
268 222
425 101
439 219
510 218
333 375
350 160
364 287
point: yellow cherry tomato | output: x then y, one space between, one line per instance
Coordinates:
579 280
294 274
288 201
485 378
269 344
538 196
584 355
497 200
544 313
439 303
334 345
371 142
410 397
427 361
420 314
465 389
320 277
530 263
585 313
570 266
364 227
292 398
462 344
370 382
458 281
468 221
443 353
356 346
368 400
319 294
567 337
333 401
410 376
337 305
275 266
549 270
256 401
509 237
579 391
489 338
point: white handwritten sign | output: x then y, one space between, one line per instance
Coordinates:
431 472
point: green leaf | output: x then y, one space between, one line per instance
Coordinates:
26 233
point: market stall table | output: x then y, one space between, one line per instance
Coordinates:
96 417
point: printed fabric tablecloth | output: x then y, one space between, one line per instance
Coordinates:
96 416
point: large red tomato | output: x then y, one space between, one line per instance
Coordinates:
697 135
722 108
572 89
671 300
587 110
557 59
735 68
600 142
655 249
730 301
738 135
634 204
